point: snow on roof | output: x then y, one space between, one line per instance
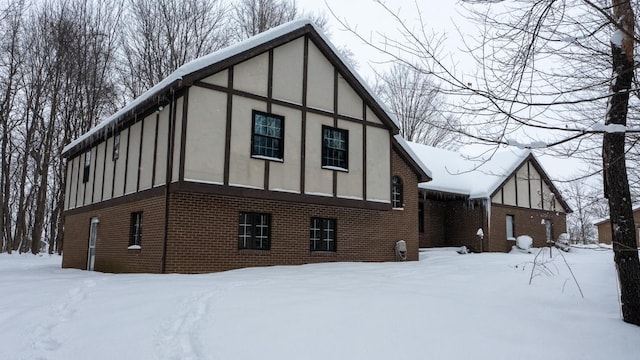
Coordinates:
476 177
215 57
405 145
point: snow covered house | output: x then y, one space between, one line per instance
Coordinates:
485 203
269 152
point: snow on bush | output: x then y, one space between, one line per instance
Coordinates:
563 242
463 250
524 242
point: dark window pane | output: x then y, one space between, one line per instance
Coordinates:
322 235
254 231
267 135
334 147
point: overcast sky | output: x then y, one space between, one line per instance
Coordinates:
441 16
370 19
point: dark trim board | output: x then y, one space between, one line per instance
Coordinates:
121 200
155 150
187 187
227 141
303 136
303 107
126 161
192 187
527 209
140 154
104 170
183 133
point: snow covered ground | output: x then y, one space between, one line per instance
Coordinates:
446 306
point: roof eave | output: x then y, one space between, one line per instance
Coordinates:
158 98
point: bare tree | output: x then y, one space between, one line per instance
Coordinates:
252 17
57 60
587 204
162 35
536 60
10 62
419 105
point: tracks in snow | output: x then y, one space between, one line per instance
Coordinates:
179 337
44 340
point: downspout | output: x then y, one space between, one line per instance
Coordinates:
481 227
488 234
169 176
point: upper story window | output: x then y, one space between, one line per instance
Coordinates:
254 231
116 147
268 132
335 147
396 192
87 166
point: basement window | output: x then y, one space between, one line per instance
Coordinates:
254 231
322 234
135 234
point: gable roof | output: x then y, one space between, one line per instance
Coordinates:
479 177
209 64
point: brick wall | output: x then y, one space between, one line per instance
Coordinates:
203 232
456 222
112 240
452 223
526 222
434 215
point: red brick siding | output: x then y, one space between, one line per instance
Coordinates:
526 222
456 222
203 230
112 241
434 215
452 223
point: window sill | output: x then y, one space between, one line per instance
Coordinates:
511 239
323 253
398 208
335 168
134 247
261 252
268 158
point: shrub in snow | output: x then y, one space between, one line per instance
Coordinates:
463 250
563 243
524 242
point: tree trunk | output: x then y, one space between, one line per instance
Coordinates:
615 170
